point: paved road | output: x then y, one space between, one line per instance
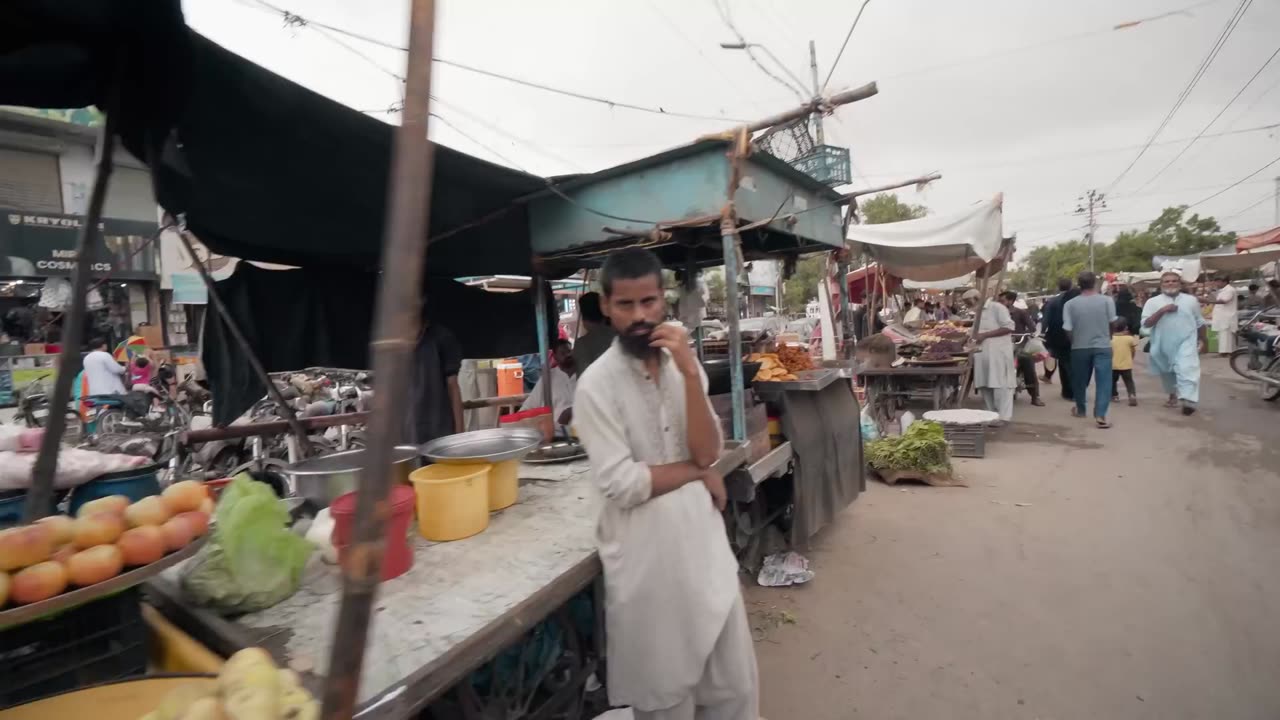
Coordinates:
1140 580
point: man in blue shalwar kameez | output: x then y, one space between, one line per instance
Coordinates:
1173 321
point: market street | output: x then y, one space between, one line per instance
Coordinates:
1123 573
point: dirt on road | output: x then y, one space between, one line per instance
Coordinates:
1085 573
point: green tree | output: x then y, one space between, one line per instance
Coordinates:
887 208
1176 234
715 287
802 286
1173 233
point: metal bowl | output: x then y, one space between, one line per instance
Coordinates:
323 479
483 446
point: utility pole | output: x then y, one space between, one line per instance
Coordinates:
1277 216
1091 204
817 92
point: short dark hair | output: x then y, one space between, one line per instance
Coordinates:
1119 325
558 342
97 341
1064 284
629 264
589 307
1224 278
1009 295
1253 287
142 361
1086 280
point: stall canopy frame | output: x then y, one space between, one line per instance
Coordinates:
935 247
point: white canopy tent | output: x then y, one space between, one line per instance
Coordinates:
935 248
1226 259
951 284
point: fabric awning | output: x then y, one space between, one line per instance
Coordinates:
1226 259
263 168
935 247
949 284
1256 240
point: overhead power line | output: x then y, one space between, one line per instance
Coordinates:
1208 125
1265 198
293 19
747 47
845 44
1223 36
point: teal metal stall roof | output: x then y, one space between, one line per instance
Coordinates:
682 190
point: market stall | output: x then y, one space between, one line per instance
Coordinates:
943 252
390 647
682 194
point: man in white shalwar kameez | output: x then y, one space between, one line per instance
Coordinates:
1225 312
678 643
994 368
1173 321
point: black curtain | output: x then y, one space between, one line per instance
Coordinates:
294 319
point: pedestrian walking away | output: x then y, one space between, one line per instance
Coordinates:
1225 310
1024 328
1055 338
1087 320
679 643
993 366
1123 345
1177 328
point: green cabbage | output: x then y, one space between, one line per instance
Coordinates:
252 561
922 448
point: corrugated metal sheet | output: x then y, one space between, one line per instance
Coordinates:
30 181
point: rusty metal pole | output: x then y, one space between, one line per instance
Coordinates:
40 496
404 251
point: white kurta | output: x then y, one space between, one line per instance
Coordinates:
670 577
1224 319
563 387
994 367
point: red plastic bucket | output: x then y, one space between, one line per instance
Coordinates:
398 556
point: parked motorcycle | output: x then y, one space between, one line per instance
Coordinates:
1256 344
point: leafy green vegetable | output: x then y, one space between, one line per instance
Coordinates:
922 448
252 561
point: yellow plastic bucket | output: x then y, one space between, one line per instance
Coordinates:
504 484
453 500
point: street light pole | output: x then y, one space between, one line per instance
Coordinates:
757 46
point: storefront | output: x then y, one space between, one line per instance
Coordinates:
37 253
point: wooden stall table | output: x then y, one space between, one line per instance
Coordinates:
889 389
459 605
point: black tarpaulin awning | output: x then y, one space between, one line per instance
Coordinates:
263 168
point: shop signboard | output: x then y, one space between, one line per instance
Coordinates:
43 245
762 290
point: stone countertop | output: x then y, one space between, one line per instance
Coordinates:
453 591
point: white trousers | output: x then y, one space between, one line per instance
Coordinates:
729 687
999 400
1226 342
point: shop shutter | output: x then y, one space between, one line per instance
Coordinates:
30 181
129 196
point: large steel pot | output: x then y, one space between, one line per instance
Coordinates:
322 479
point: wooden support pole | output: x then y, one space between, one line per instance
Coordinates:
396 331
891 186
39 498
259 370
544 339
814 106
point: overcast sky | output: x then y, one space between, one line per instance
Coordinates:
1038 100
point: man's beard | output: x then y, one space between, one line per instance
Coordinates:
1171 292
635 341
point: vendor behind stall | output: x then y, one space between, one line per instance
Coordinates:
435 400
563 376
596 336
